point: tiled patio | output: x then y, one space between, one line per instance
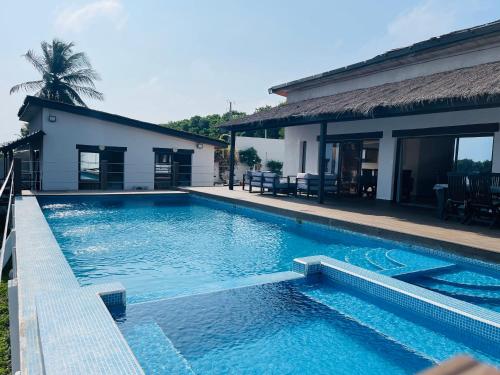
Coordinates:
418 225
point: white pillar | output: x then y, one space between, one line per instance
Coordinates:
496 153
386 161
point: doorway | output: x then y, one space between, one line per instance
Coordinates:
423 162
173 167
100 169
355 163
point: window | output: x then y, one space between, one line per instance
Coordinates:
473 154
90 173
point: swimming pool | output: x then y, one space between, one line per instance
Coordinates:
160 246
288 328
193 271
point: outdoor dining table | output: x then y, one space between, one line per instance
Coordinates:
442 192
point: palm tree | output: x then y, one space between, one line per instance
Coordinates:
66 76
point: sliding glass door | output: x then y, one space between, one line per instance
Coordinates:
356 165
424 162
100 169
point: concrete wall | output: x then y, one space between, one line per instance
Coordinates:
60 156
402 72
267 149
387 149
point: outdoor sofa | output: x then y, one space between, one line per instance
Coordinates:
308 184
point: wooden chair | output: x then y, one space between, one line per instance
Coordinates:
457 204
484 207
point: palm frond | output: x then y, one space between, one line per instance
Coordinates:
71 92
66 76
36 61
88 91
27 86
83 76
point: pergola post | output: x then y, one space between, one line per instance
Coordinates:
322 151
231 160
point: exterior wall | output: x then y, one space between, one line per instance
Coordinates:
456 61
267 149
60 156
35 123
387 149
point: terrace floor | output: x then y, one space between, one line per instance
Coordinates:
421 226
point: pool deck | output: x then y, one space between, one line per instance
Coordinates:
420 226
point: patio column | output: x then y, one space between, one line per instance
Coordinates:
322 150
231 160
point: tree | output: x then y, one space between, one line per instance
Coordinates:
66 76
204 125
249 157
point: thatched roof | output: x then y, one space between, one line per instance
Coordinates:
452 90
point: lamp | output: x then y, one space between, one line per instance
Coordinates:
52 118
199 146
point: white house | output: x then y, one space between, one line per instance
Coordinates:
77 148
403 119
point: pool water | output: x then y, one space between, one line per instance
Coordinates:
161 246
186 263
286 328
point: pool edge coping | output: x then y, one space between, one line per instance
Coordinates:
28 297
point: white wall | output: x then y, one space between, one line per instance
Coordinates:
402 72
387 150
60 156
267 149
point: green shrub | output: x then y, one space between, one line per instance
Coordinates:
274 166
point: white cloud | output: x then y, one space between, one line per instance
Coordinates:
77 19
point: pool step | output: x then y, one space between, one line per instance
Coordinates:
379 259
411 259
469 278
148 341
397 326
358 257
461 291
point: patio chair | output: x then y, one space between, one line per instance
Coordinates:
275 184
308 183
457 204
368 183
495 184
255 181
484 206
247 176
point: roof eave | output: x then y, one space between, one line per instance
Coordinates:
435 42
35 102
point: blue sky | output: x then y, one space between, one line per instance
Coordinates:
168 60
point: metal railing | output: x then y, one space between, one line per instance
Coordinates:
6 201
66 175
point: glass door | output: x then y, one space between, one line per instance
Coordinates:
89 177
163 170
350 167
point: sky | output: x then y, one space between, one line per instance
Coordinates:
168 60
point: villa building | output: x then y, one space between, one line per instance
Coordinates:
403 119
76 148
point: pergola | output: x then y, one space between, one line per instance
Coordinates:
468 88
